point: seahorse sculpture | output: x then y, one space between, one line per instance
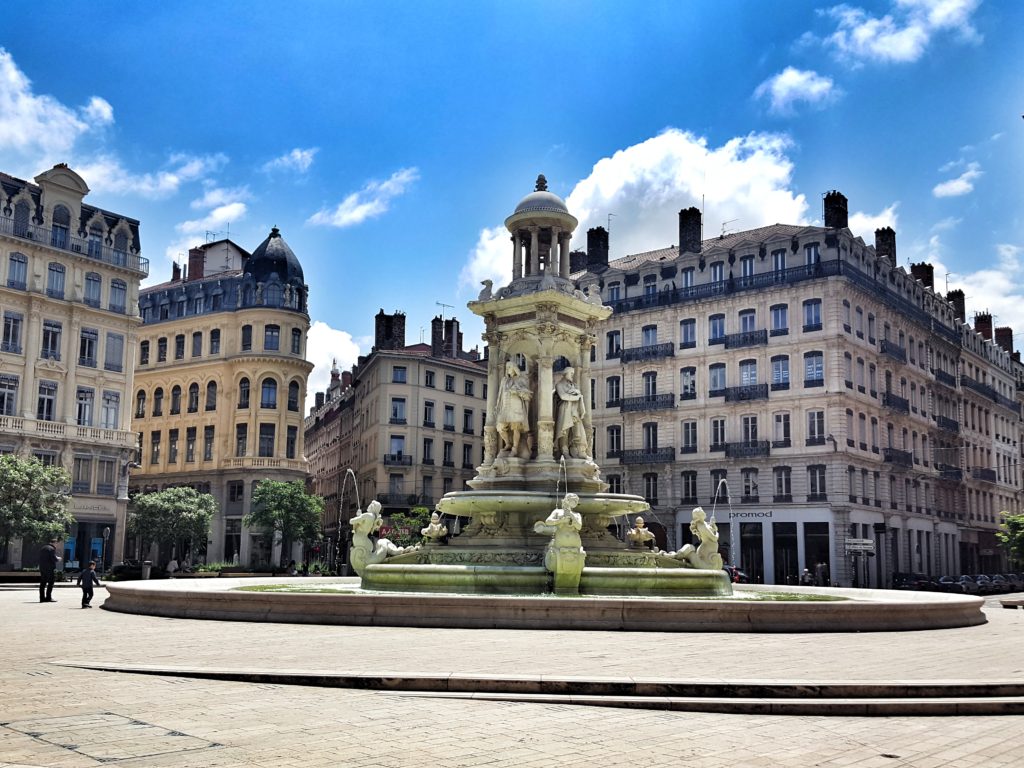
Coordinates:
364 551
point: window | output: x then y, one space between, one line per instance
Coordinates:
51 340
241 437
85 401
193 397
748 320
779 260
467 456
428 413
113 355
613 387
88 341
814 369
81 474
783 483
614 483
650 379
246 338
268 393
816 483
161 350
650 285
93 286
398 410
110 413
211 396
140 404
179 347
716 380
780 372
815 427
12 333
811 255
266 447
215 341
688 487
271 338
207 443
428 450
118 295
748 373
467 421
780 319
719 485
649 335
198 305
17 271
651 487
687 333
716 329
468 384
154 447
428 379
175 399
55 280
293 396
614 291
296 341
746 266
847 316
446 453
291 442
158 401
650 436
107 469
717 434
812 315
613 345
689 437
172 446
60 228
688 383
780 430
236 492
750 489
190 444
614 435
197 344
718 272
748 425
449 383
449 418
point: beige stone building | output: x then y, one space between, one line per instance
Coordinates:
408 421
220 384
69 286
845 403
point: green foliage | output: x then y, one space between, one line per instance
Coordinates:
34 500
405 527
211 567
286 507
171 515
1011 534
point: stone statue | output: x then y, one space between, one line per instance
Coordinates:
706 554
639 534
485 294
569 428
435 529
594 296
513 422
364 551
564 555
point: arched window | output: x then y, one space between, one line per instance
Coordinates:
158 402
211 396
121 249
272 295
243 393
293 396
176 399
268 393
193 397
140 404
21 217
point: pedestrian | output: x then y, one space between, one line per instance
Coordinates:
291 569
87 579
806 580
172 567
48 559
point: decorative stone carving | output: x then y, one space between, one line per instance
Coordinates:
639 534
435 530
364 551
485 294
572 410
513 421
564 555
706 554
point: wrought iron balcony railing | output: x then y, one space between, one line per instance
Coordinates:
648 352
648 456
897 457
746 339
647 403
895 402
748 450
746 392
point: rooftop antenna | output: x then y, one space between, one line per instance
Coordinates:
443 307
947 279
610 222
724 225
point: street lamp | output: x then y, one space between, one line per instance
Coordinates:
103 557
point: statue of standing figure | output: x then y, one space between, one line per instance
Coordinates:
514 397
564 556
569 427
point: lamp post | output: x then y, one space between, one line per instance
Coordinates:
103 557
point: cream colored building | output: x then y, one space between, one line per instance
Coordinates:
69 287
220 384
844 402
408 421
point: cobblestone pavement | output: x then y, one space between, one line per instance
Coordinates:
56 716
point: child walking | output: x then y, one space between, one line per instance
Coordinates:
87 579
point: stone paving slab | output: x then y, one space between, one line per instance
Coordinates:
286 726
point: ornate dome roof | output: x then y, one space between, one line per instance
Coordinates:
274 255
541 200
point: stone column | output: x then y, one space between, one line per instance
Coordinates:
563 251
552 267
545 418
495 370
31 341
517 256
534 251
583 382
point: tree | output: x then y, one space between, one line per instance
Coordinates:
405 527
1012 536
171 515
288 509
34 500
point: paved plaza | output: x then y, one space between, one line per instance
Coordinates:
54 715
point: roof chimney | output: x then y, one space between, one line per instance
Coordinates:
1004 338
196 263
983 324
956 298
319 400
389 331
689 230
597 247
437 337
176 272
885 243
836 210
924 272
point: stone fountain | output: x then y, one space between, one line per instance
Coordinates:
540 514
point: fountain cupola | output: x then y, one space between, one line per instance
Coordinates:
541 230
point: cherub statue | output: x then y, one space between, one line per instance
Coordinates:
564 556
705 554
639 534
364 551
435 529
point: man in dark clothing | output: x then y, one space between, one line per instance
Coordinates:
48 559
87 579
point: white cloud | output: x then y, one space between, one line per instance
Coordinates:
996 288
961 185
36 130
901 36
324 346
746 179
297 160
214 196
105 173
373 200
864 224
193 232
792 85
950 222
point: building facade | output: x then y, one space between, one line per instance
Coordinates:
822 401
69 287
220 385
408 421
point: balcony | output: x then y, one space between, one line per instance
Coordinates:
746 392
647 403
397 420
983 473
14 349
945 378
895 402
114 438
648 456
950 425
648 352
397 460
72 244
613 403
397 499
981 389
746 339
898 458
893 350
748 450
950 473
429 423
259 462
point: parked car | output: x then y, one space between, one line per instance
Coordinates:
985 585
963 585
1016 582
910 581
1001 583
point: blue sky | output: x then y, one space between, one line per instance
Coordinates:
388 141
